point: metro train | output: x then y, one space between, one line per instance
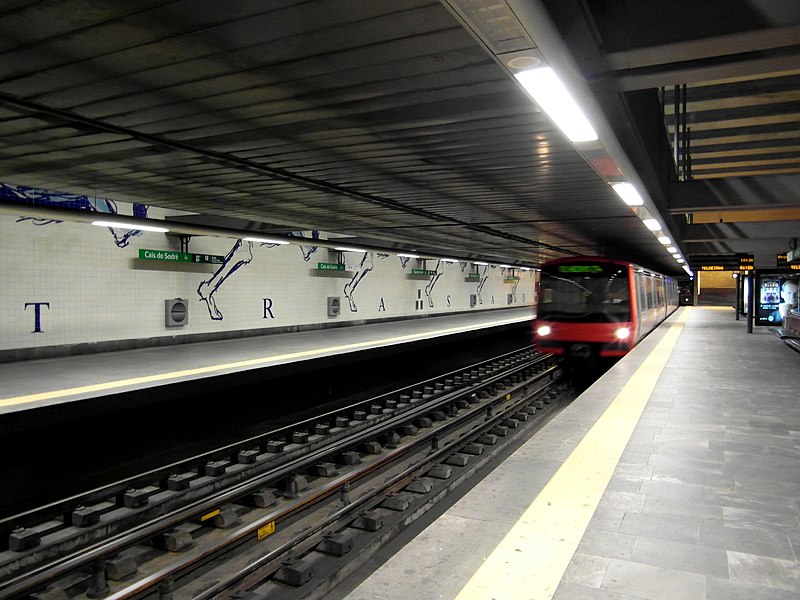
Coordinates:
593 307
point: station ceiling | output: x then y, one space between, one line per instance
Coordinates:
400 124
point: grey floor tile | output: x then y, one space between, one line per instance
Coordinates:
681 557
661 527
756 501
677 491
607 518
764 572
576 591
586 569
776 521
746 540
633 471
608 544
725 589
678 508
653 583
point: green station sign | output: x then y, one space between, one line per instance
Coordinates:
323 266
423 272
475 276
172 256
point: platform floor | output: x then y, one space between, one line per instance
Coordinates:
676 476
47 382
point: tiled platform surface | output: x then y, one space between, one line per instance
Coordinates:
47 382
704 503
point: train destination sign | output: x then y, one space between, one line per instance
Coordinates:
423 272
172 256
580 269
714 268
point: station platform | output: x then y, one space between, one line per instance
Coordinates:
35 384
674 477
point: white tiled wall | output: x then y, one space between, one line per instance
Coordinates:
96 294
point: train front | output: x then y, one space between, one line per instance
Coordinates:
584 309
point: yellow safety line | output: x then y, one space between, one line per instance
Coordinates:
254 362
530 561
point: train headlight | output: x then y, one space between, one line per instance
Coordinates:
544 330
623 333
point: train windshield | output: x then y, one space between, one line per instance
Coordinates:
584 293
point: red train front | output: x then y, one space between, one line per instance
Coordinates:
586 308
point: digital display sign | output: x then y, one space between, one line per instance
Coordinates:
746 262
580 269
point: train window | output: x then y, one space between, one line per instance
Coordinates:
585 293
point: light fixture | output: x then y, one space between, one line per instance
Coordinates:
554 99
408 255
264 240
477 262
349 249
680 260
543 330
672 249
506 267
124 225
676 255
664 240
524 268
449 260
622 333
652 224
628 193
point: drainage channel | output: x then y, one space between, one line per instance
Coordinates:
255 491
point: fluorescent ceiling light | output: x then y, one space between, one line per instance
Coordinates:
665 240
124 225
507 267
680 260
475 262
524 268
409 255
687 269
672 249
349 249
628 193
449 260
676 256
652 224
264 240
554 99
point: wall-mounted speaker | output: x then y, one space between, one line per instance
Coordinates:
176 312
473 300
510 298
334 306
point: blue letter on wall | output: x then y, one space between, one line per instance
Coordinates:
268 308
37 314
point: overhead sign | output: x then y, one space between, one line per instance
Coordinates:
172 256
423 272
714 268
323 266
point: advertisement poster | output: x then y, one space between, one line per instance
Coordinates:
775 296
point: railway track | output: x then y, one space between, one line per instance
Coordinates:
285 514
